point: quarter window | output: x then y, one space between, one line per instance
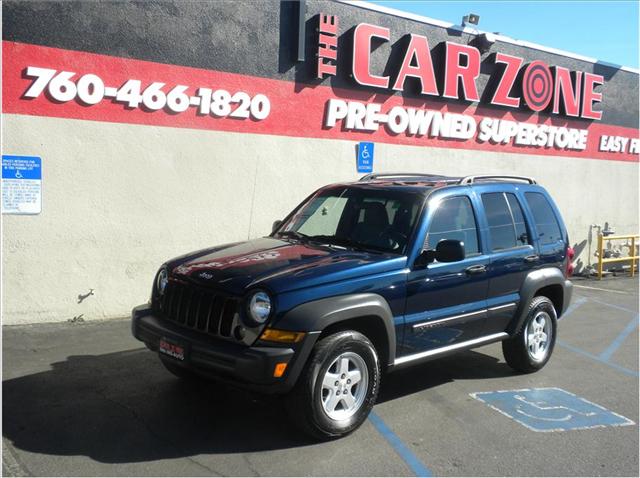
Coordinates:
506 221
518 220
546 221
454 219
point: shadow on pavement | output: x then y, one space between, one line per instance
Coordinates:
469 365
124 407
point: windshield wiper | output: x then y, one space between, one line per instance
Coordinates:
332 240
294 234
358 246
327 241
338 241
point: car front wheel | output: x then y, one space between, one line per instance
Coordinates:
338 386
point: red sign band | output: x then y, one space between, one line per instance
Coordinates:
94 87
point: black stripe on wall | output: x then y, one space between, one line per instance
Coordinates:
259 38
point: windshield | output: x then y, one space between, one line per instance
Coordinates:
356 217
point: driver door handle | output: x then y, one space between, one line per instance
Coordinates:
479 269
532 258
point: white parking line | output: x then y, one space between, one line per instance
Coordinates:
600 288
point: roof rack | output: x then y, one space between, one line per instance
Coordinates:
475 178
371 177
438 177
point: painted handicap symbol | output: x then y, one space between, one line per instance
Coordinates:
542 410
550 409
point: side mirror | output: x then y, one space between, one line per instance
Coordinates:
425 258
275 225
450 250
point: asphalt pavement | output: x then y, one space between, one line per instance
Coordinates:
87 399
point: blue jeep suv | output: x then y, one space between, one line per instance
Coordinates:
363 279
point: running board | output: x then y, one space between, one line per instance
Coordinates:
450 348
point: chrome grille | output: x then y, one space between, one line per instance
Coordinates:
198 309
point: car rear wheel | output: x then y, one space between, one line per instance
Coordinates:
338 386
530 349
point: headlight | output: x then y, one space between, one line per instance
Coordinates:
162 280
259 307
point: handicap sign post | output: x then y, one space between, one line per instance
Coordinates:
21 184
365 157
550 409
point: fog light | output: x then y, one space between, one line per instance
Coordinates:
239 332
287 336
279 370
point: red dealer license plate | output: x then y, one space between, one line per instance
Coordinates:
172 349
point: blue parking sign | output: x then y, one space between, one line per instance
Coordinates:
550 409
21 184
365 157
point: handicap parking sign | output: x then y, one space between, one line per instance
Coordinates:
365 157
550 409
21 184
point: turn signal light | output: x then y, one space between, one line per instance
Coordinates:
287 336
279 370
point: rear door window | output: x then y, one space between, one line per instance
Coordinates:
544 217
506 221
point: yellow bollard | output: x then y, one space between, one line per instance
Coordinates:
600 258
632 252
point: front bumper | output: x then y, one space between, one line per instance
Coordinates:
247 367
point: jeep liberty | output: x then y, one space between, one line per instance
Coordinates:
362 279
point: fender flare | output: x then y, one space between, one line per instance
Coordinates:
535 281
317 315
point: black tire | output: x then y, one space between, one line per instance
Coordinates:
179 371
518 351
305 402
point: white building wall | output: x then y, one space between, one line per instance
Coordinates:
120 199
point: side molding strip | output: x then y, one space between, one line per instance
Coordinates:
448 348
504 306
447 319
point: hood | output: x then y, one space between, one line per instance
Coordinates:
277 265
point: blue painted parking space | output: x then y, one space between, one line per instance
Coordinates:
550 409
400 448
605 357
615 345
